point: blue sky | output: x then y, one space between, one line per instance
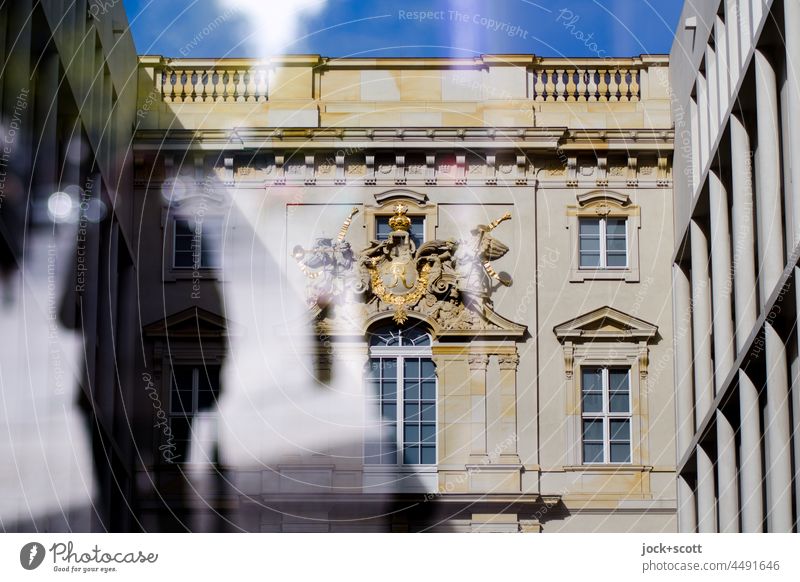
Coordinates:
339 28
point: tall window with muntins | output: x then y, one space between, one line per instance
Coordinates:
401 380
416 233
193 390
198 243
603 243
606 415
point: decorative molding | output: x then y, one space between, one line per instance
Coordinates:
478 362
602 171
606 323
632 171
569 359
373 166
644 359
508 361
572 172
383 197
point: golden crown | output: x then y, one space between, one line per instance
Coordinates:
400 221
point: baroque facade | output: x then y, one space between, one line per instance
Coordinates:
475 248
735 69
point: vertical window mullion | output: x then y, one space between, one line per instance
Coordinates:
606 421
195 389
603 244
400 416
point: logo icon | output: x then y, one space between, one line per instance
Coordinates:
31 555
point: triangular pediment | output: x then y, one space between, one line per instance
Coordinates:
605 323
192 322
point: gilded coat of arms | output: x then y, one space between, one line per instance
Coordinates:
399 274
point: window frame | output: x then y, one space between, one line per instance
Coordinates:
603 243
417 208
380 217
169 217
603 205
197 369
195 267
606 415
399 353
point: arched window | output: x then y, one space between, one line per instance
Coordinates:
401 384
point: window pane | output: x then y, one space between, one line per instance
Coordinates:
210 258
411 368
619 402
428 455
182 389
589 226
184 259
416 336
389 454
374 370
593 452
590 244
617 260
590 260
620 430
411 455
429 412
428 433
428 369
389 411
416 232
411 412
429 389
382 228
593 430
389 366
181 436
411 391
618 379
389 390
184 228
411 433
620 453
182 402
615 226
616 246
184 243
592 379
593 402
206 399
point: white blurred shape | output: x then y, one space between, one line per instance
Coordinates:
61 207
271 406
45 451
95 210
275 24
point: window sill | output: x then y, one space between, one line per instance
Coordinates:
189 274
401 468
609 468
628 275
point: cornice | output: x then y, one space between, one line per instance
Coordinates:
545 138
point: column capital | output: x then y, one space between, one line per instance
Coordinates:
508 361
478 362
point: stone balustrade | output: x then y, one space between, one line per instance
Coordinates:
311 91
586 84
212 85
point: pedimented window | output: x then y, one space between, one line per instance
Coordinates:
604 232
